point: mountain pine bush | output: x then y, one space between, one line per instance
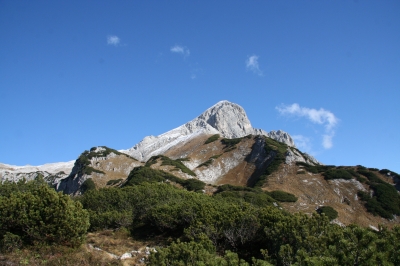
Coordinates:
40 214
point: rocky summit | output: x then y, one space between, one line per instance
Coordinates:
227 119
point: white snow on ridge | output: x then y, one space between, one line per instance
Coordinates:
52 168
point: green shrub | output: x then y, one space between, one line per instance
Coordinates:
43 215
315 169
387 172
110 208
195 254
209 161
146 174
385 201
282 196
114 181
337 174
257 199
212 139
7 187
88 184
372 177
142 174
178 165
277 151
10 242
83 163
193 184
229 143
330 212
104 152
228 187
206 163
364 196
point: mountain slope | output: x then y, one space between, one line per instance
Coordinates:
224 118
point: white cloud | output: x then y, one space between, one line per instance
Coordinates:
252 64
113 40
180 50
302 142
327 141
321 117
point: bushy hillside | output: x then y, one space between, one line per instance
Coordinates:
234 226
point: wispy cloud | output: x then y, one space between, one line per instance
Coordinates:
252 64
180 50
302 142
321 117
113 40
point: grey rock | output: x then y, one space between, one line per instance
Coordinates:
224 118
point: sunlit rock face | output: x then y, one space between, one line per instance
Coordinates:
224 118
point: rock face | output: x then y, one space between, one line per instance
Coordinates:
52 172
227 119
101 164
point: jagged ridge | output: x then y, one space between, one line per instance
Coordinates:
224 118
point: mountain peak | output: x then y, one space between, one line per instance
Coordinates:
229 119
224 118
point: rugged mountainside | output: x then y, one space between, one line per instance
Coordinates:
224 118
52 172
221 147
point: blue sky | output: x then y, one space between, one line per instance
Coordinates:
78 74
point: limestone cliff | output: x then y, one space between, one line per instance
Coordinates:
224 118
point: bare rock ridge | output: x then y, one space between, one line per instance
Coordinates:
52 171
224 118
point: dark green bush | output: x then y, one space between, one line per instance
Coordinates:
168 161
88 184
277 151
228 187
330 212
10 242
385 201
228 143
83 163
282 196
114 181
258 199
193 184
337 174
146 174
110 208
372 177
42 215
315 169
212 139
387 173
206 163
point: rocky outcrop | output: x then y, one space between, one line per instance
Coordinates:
102 164
51 172
294 155
224 118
